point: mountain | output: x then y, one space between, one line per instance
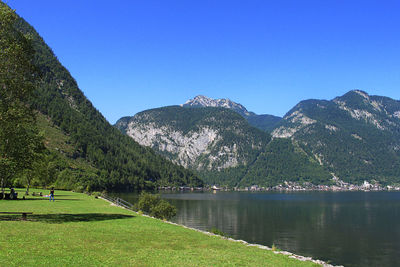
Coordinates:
198 138
85 151
222 146
203 101
264 122
356 136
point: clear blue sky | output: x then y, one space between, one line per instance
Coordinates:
128 56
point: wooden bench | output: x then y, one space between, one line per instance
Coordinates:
17 212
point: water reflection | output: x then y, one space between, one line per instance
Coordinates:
350 228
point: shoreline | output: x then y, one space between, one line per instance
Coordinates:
288 188
282 252
274 190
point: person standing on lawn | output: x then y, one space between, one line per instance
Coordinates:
52 194
12 193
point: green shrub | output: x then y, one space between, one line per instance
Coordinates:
163 210
218 232
155 206
96 194
147 201
275 248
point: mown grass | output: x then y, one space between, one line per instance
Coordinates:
79 230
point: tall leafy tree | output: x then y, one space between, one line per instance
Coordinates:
20 142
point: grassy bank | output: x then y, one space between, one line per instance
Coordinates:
79 230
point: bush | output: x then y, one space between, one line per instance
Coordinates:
163 210
147 202
275 248
216 231
96 194
155 206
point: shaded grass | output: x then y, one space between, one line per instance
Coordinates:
91 232
64 218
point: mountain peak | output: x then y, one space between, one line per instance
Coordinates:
361 93
264 122
204 101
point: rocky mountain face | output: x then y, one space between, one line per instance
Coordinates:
198 138
263 122
203 101
356 136
222 146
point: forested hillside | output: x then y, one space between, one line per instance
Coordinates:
99 156
222 146
356 136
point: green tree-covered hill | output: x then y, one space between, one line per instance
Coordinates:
356 136
106 159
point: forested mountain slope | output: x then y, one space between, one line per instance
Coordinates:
356 136
118 162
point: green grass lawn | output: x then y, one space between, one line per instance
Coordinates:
79 230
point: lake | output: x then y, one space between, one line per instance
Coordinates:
346 228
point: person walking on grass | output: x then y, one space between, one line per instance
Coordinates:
52 194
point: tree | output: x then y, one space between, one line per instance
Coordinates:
20 142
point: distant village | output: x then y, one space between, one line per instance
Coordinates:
340 186
294 186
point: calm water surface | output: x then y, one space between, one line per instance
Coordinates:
348 228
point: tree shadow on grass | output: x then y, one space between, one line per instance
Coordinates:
43 198
46 198
65 218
